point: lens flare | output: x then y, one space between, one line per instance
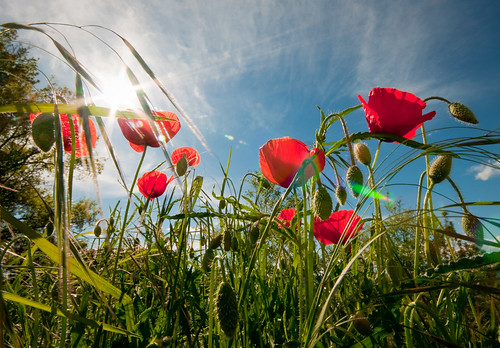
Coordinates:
229 137
366 191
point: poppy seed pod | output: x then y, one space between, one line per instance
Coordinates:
440 168
215 242
354 179
362 153
472 226
227 309
462 113
321 203
182 165
42 131
341 194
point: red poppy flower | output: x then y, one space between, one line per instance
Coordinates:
329 231
286 216
395 112
192 155
280 159
153 184
139 133
80 144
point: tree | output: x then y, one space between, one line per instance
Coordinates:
24 169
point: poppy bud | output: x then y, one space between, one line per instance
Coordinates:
182 165
49 229
208 258
215 242
266 184
462 113
227 309
341 194
321 203
222 204
354 179
362 153
228 236
472 226
42 131
440 168
362 325
253 236
97 230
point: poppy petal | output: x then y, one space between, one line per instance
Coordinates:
280 160
80 144
192 156
153 184
395 112
170 127
330 231
286 216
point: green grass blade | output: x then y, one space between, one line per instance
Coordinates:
89 322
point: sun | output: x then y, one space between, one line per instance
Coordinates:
117 92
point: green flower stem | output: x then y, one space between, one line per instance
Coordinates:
127 207
211 303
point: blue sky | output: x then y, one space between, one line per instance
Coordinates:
255 70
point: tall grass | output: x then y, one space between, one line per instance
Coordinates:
408 278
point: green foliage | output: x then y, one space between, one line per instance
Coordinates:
149 277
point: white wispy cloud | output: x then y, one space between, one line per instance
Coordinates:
486 172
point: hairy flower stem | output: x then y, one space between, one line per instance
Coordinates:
348 140
418 232
308 229
379 245
60 220
437 98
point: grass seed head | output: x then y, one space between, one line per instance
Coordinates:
208 258
215 242
227 309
